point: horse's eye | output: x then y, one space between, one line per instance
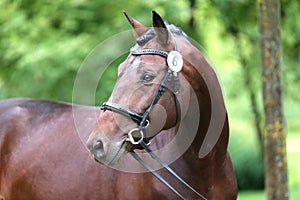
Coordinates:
147 77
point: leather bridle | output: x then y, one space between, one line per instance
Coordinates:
175 62
142 120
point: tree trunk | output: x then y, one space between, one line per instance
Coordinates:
275 131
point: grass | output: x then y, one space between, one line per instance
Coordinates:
252 195
261 195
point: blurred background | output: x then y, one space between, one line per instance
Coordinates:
43 43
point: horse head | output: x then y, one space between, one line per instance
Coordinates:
140 78
153 93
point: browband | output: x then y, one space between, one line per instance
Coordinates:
150 52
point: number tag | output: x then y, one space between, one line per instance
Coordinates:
175 61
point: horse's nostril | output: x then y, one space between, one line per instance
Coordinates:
98 149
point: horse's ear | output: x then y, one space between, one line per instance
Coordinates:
160 28
138 28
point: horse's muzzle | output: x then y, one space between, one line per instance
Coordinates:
106 151
96 148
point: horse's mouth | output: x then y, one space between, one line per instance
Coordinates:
108 154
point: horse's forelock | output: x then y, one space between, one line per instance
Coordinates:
142 40
150 34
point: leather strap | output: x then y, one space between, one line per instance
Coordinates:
141 120
114 107
150 52
171 171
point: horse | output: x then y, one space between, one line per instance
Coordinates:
42 156
167 101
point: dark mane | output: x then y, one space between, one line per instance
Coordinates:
142 40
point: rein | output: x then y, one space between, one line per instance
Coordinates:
175 64
165 166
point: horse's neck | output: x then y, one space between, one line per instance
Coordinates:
204 127
212 130
163 138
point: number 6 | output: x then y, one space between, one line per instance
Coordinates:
174 62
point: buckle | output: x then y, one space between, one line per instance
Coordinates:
140 131
131 138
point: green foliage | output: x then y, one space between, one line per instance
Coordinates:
291 49
248 164
43 43
243 146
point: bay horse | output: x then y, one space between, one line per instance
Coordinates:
42 157
167 97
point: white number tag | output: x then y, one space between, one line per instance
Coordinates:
175 61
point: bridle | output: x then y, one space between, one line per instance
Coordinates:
142 120
175 64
